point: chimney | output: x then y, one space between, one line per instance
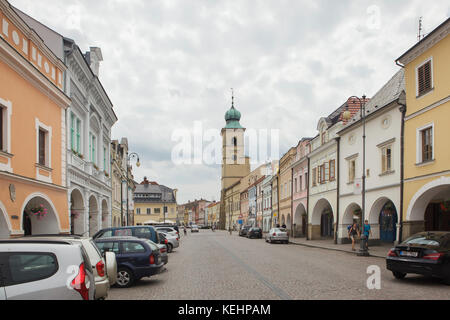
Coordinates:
93 58
175 194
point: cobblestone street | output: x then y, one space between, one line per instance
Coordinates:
219 266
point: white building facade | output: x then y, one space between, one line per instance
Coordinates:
382 162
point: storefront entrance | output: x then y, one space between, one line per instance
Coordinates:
388 223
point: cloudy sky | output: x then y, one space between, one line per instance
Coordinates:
169 63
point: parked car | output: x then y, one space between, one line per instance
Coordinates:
145 232
277 235
103 266
136 258
170 241
173 226
35 269
163 251
168 230
254 233
425 253
194 228
244 230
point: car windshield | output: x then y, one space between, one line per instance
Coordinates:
428 239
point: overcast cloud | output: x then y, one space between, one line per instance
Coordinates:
169 63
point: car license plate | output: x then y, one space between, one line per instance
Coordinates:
408 253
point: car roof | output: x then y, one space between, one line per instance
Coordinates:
43 241
119 238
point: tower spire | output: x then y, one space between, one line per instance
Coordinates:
232 98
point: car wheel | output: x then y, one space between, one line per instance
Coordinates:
399 275
169 248
125 278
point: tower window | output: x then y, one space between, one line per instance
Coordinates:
234 141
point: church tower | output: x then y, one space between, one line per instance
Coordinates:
235 165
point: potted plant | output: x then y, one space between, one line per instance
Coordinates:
95 166
40 211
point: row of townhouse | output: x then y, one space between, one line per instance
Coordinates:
55 134
316 191
194 212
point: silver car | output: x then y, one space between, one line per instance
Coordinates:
172 241
168 230
194 228
45 270
104 267
277 235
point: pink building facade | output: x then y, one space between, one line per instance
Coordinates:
300 188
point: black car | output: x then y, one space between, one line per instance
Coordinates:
425 253
244 230
254 233
146 232
136 258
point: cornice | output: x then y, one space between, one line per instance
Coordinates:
424 45
9 13
25 68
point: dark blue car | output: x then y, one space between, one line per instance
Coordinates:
136 258
145 232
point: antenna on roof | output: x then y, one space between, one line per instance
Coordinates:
420 29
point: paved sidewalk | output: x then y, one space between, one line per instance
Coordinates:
374 251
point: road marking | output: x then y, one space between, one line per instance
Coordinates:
279 292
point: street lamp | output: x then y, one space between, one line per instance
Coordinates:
346 116
132 155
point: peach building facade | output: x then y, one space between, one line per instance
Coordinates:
33 196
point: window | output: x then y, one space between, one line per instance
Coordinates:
234 141
157 210
300 181
75 133
314 176
29 267
149 210
42 147
386 159
92 145
332 170
123 233
322 174
424 78
306 180
108 246
138 211
351 171
427 144
104 159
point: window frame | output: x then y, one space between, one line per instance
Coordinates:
419 144
332 177
422 64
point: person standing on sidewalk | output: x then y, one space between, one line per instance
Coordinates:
352 233
367 232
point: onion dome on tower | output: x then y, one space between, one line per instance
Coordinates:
232 117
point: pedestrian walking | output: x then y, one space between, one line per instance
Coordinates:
352 233
185 231
367 231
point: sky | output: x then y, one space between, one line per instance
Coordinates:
171 63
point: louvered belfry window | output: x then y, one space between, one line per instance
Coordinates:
424 78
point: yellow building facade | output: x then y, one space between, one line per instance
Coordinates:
426 196
154 203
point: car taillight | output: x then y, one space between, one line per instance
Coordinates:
100 266
81 283
166 241
433 256
392 253
177 239
152 259
274 234
162 250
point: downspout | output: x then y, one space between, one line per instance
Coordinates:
402 167
402 160
292 203
307 201
278 197
338 140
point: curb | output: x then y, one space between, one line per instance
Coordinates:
333 249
